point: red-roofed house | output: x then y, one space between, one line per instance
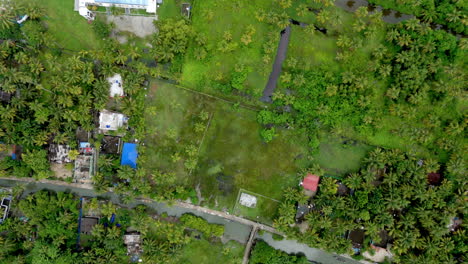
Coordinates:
310 184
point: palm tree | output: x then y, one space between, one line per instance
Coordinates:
393 35
98 232
353 181
108 209
6 19
113 233
404 40
429 15
412 24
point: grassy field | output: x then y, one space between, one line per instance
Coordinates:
322 51
70 30
340 156
171 9
215 18
264 211
202 251
232 154
172 117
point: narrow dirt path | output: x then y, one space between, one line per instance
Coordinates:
277 65
248 247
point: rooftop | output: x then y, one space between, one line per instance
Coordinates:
129 155
83 169
124 2
59 153
111 121
87 224
4 96
116 88
311 182
111 145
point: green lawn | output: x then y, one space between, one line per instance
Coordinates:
202 251
232 154
70 30
171 9
340 156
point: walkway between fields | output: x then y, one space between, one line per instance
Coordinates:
277 65
248 247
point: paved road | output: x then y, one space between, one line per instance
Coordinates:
236 228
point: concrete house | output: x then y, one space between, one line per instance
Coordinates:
81 6
111 121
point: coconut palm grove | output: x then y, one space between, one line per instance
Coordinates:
232 131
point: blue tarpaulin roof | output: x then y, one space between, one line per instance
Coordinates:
129 155
124 2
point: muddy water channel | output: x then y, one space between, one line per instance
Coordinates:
388 15
233 230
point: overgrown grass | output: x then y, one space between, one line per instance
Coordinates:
308 56
264 211
340 156
232 154
212 19
171 9
202 251
171 116
70 30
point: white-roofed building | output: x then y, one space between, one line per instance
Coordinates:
116 85
111 121
149 6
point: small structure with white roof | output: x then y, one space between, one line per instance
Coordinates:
111 121
248 200
116 88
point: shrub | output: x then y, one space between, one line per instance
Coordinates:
198 223
277 237
101 28
268 134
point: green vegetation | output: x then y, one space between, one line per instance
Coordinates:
69 29
171 9
398 198
338 156
449 13
189 136
195 222
265 210
382 107
202 251
263 253
48 234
